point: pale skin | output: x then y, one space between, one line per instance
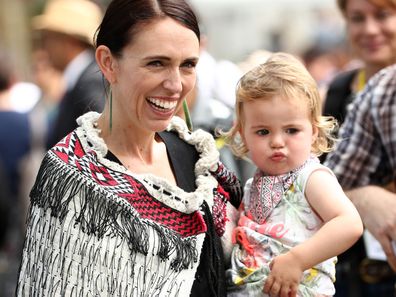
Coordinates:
148 83
279 135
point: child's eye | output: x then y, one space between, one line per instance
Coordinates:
262 132
291 131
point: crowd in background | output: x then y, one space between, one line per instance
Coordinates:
36 114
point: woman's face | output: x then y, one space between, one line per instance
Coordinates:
154 75
372 32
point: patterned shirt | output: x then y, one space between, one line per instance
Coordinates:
289 223
366 153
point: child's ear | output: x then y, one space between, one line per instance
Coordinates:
315 133
240 131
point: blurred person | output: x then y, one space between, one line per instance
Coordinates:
67 28
371 32
364 161
254 59
131 202
212 102
49 80
322 62
14 145
14 125
24 96
51 85
294 217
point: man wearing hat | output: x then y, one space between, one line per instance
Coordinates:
67 29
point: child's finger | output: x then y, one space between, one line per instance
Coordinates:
275 289
284 292
268 284
293 291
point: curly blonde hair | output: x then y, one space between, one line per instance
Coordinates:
281 75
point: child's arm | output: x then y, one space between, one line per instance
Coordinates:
341 229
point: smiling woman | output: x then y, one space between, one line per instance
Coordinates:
371 31
131 201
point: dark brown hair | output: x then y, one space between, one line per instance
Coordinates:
342 4
124 17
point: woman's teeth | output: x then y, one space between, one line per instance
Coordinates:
163 104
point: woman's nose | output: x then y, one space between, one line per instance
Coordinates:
173 81
371 26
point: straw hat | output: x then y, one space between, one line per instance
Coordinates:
79 18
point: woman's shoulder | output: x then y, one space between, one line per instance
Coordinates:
199 140
343 80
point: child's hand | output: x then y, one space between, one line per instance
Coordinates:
285 276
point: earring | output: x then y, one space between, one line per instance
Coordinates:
111 110
187 115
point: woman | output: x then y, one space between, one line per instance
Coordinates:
120 206
371 31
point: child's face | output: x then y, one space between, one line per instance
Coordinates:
278 133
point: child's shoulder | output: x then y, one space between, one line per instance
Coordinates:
313 165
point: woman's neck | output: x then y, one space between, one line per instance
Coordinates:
128 142
363 75
370 70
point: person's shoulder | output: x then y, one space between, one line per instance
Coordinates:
177 146
343 79
172 138
381 87
385 75
92 73
312 165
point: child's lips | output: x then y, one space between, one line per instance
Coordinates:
277 157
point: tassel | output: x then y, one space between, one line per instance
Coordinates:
111 110
187 115
56 189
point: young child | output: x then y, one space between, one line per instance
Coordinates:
294 218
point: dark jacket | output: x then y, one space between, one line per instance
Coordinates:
88 94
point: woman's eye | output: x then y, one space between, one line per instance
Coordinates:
155 63
357 18
383 14
189 64
291 131
262 132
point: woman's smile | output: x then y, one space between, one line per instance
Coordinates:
162 105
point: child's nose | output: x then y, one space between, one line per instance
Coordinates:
277 141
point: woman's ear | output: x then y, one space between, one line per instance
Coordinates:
106 63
